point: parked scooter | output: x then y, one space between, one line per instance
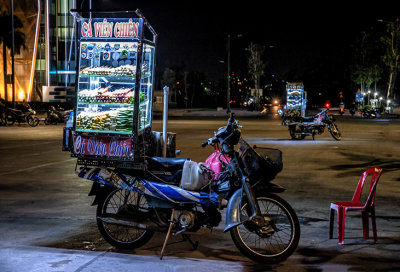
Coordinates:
176 195
313 125
54 116
369 113
16 115
341 108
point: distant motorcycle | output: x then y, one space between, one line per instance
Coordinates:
300 127
369 113
15 115
54 116
341 108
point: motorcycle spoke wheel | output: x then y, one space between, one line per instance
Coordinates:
9 119
295 133
33 121
334 130
123 237
276 241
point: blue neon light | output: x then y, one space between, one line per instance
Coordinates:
62 72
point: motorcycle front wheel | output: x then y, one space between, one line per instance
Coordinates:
33 121
123 237
274 242
334 130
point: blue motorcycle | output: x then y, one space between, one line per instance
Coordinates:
176 196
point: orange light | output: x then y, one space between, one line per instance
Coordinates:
327 105
21 95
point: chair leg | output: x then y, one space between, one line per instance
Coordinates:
332 218
365 219
341 224
374 225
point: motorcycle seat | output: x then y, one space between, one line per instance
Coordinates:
168 169
308 118
170 164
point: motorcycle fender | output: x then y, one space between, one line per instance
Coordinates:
268 187
233 211
99 191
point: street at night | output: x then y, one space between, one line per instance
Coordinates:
199 136
47 222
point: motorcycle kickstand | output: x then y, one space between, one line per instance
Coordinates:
171 224
186 237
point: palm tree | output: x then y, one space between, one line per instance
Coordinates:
6 40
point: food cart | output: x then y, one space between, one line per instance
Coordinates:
112 120
296 97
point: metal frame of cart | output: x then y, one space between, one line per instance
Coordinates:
120 136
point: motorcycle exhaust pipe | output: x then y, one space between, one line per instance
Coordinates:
147 225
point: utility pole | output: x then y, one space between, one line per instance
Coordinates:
228 95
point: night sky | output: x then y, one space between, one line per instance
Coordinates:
307 41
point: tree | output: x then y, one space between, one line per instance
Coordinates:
391 42
367 60
6 40
366 75
255 65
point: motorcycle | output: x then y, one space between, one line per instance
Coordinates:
341 108
371 113
16 115
176 196
54 116
300 127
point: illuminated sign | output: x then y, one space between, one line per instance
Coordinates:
102 146
96 28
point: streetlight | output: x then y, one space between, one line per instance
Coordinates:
368 95
363 94
228 96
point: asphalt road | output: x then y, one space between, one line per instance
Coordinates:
47 223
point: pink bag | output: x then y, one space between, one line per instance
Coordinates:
213 162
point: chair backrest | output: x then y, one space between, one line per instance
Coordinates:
376 173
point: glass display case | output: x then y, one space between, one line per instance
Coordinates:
106 87
296 97
114 86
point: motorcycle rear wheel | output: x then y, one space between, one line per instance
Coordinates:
295 131
9 119
122 237
334 130
278 241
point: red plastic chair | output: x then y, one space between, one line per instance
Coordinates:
355 205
